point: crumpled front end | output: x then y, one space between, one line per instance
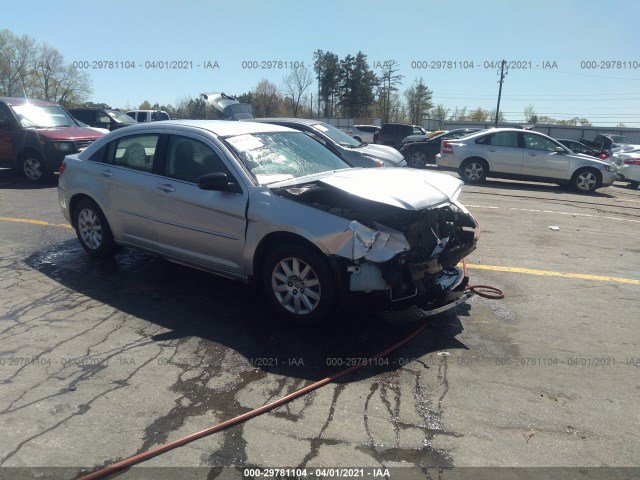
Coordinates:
394 257
416 264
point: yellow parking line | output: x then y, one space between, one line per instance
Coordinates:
494 268
34 222
549 273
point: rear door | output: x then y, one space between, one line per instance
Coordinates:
130 178
502 151
201 227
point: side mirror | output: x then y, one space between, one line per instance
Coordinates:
218 181
560 150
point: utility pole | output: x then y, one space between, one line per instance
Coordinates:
502 75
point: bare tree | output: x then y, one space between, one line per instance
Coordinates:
295 85
389 79
266 99
16 54
39 71
418 101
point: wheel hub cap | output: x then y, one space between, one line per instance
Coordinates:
296 286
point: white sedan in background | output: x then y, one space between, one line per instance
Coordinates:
628 165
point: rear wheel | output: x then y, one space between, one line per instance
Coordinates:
93 230
473 170
417 158
585 180
33 168
298 283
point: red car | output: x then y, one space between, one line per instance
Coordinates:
36 135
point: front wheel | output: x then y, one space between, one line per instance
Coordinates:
298 283
33 168
585 181
473 171
93 230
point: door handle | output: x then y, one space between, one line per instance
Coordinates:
106 173
491 149
166 187
532 154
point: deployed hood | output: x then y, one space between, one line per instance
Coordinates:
403 188
230 108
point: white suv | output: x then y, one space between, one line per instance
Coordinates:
363 133
148 115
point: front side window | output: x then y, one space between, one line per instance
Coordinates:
189 159
536 142
135 152
280 156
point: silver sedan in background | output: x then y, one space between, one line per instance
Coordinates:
523 154
269 205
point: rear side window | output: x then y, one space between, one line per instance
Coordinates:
136 152
500 139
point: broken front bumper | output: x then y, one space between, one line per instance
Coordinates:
448 290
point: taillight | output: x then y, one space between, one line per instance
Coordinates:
602 156
376 137
632 161
63 166
446 147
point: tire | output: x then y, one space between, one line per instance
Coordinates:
473 170
298 284
358 139
586 180
33 169
93 230
417 158
634 184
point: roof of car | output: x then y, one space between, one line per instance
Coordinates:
303 121
221 128
14 101
93 109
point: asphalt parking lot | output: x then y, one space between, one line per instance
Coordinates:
100 360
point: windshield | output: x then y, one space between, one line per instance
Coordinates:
120 117
279 156
35 116
338 136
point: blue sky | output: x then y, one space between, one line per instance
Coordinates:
560 34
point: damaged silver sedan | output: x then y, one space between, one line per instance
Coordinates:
271 206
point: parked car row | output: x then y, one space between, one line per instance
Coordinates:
422 152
